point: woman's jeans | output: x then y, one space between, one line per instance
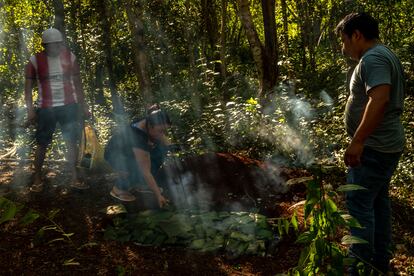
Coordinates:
371 207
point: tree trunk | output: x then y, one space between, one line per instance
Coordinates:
285 27
210 24
106 15
223 63
265 57
59 16
135 16
256 46
189 37
98 85
223 66
309 20
270 69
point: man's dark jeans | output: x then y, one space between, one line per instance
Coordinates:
372 207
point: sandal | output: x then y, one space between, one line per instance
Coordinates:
80 185
123 196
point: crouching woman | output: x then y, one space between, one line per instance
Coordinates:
136 152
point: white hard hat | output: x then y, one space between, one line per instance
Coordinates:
51 35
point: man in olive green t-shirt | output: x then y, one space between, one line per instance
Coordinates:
372 119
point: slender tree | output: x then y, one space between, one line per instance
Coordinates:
265 56
59 10
223 65
106 15
134 10
285 19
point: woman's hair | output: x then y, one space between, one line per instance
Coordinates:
156 116
363 22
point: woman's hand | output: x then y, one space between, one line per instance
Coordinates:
162 201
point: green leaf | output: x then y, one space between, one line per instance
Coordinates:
305 237
338 219
38 238
175 228
88 245
350 187
162 215
197 244
242 237
55 240
70 262
351 221
264 234
348 239
330 206
10 210
320 245
3 201
294 222
159 240
52 214
287 225
313 185
309 206
50 227
29 218
110 233
304 255
280 227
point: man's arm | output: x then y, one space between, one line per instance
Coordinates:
378 98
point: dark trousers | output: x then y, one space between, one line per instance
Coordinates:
371 207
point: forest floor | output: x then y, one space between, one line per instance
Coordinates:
88 253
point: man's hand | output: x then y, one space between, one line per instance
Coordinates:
352 156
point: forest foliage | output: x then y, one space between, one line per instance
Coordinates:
263 78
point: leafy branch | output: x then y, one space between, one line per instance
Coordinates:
10 209
323 254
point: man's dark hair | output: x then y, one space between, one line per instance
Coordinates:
362 22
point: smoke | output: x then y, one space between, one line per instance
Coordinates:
188 191
327 100
300 109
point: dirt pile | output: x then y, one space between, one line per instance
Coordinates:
224 181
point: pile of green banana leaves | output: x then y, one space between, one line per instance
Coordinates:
233 233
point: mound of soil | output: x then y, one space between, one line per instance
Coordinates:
232 183
223 181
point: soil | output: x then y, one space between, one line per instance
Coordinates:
237 184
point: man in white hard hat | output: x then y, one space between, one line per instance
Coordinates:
56 73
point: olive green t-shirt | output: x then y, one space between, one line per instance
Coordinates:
379 65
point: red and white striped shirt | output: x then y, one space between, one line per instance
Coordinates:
54 77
